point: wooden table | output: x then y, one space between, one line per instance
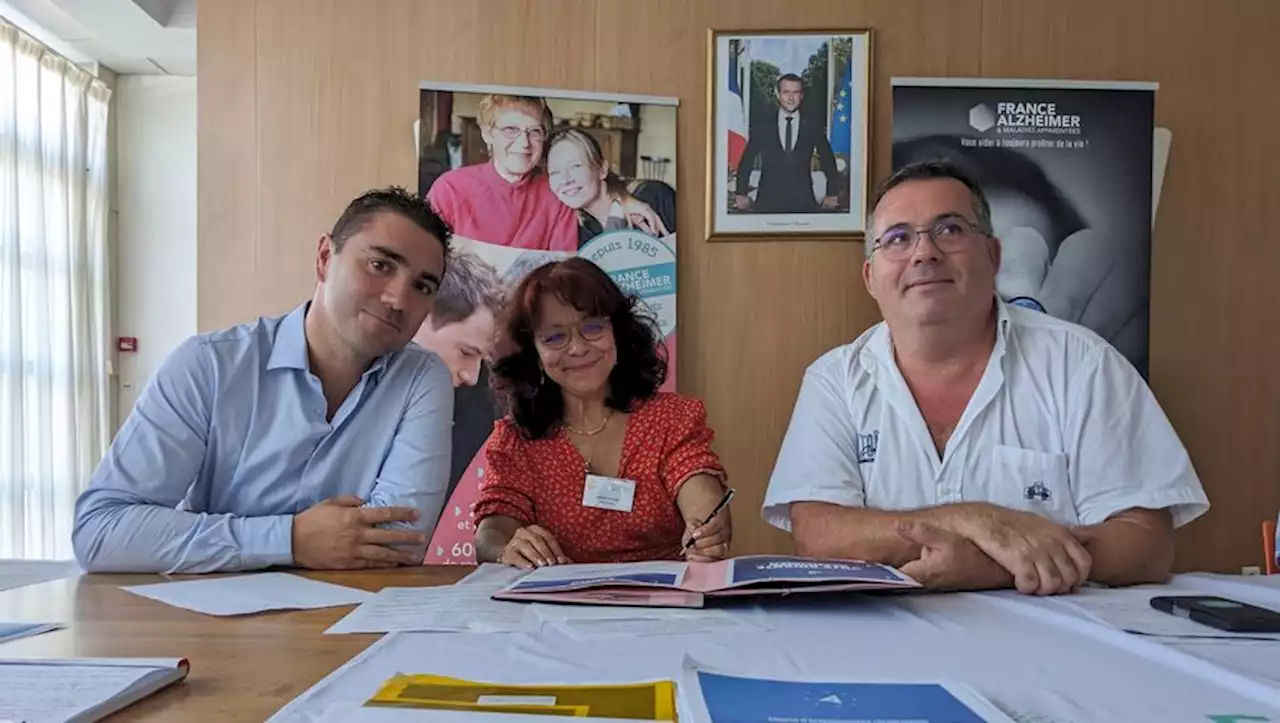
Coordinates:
242 668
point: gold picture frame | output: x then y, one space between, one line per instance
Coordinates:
785 66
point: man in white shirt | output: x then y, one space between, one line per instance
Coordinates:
976 445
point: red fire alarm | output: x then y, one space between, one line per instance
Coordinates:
127 343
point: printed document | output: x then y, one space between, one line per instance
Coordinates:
453 608
252 593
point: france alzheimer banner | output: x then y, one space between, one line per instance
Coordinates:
526 176
1067 168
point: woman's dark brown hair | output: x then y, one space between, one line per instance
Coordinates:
532 399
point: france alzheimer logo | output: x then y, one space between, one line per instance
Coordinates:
642 266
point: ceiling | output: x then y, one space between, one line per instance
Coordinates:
146 37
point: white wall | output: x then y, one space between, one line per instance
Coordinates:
156 256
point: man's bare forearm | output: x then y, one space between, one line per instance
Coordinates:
1132 548
820 529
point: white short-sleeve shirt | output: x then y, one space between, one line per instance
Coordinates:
1061 425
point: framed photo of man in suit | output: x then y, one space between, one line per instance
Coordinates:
789 127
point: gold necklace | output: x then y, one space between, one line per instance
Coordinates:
592 432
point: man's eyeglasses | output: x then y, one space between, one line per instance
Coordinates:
591 329
949 233
536 134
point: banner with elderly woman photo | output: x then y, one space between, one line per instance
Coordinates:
1067 167
525 176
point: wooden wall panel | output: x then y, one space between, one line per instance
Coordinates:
305 103
226 163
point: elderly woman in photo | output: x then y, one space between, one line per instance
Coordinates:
582 180
592 463
507 201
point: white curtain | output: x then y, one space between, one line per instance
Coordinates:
54 313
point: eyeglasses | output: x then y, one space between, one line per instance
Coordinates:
591 329
949 233
536 134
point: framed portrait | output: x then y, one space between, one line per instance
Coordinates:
788 124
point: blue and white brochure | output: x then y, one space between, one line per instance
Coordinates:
712 696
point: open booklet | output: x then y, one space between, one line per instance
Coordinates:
80 690
689 584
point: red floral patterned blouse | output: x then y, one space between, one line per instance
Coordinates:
541 481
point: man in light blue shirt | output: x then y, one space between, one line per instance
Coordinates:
319 439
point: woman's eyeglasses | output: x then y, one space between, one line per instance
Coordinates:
536 134
949 233
591 329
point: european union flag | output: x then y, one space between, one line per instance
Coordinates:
842 111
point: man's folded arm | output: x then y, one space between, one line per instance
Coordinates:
1134 479
416 471
1133 547
827 530
823 529
127 520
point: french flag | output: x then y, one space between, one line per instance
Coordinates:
733 111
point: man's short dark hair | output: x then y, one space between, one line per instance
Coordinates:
392 199
469 284
996 170
931 169
791 77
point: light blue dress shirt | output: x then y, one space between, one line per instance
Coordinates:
229 440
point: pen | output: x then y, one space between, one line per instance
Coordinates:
728 495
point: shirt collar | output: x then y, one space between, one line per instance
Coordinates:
289 350
1004 325
881 344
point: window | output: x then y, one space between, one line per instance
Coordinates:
54 411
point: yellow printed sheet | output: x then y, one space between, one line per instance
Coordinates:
652 701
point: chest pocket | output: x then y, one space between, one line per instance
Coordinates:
1034 481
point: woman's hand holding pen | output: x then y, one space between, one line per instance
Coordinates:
708 540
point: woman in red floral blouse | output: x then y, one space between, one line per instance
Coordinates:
592 463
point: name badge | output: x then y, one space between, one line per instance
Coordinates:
608 493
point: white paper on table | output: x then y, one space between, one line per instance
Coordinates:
256 592
15 631
451 608
20 573
59 690
596 628
493 576
1130 610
